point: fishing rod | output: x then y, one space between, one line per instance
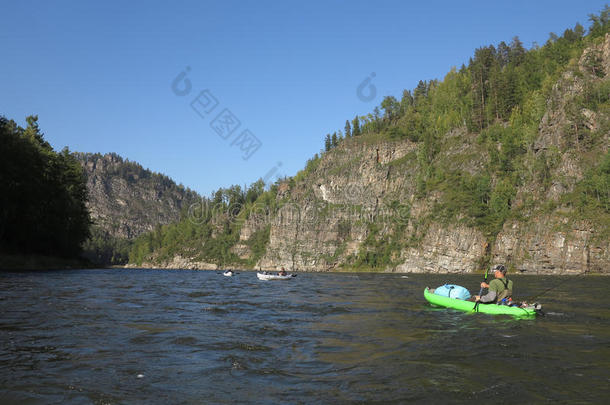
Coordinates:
555 286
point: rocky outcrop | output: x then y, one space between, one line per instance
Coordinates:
126 200
177 262
445 250
549 245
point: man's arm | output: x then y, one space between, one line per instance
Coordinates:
489 297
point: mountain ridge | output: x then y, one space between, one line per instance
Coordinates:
125 201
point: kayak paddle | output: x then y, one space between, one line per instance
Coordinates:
476 305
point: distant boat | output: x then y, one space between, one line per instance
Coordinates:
228 273
267 276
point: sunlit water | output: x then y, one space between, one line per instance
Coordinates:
154 336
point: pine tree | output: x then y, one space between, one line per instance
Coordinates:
348 129
356 126
517 51
579 30
480 70
420 91
600 23
44 194
327 143
503 54
406 101
390 107
334 141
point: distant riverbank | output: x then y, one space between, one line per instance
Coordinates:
185 265
39 262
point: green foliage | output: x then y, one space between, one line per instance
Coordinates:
596 98
378 251
500 203
356 126
344 227
500 84
504 146
102 248
545 161
596 94
475 201
391 107
348 129
42 194
465 197
212 230
600 23
590 198
258 244
310 167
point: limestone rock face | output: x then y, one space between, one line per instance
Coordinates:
541 246
445 250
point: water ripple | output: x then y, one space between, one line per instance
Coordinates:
154 336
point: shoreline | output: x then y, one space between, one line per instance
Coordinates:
20 262
50 263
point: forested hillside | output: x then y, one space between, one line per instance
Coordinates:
504 159
42 195
74 205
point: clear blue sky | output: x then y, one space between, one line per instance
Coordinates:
99 74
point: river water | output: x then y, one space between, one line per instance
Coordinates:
162 336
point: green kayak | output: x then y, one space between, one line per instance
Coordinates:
469 306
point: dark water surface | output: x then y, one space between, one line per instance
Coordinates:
154 336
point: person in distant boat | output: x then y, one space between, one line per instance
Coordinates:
500 288
282 272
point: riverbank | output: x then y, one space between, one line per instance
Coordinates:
346 270
40 262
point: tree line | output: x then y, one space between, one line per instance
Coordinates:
43 194
211 227
496 80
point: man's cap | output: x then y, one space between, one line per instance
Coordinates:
500 267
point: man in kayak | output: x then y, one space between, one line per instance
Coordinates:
282 272
498 289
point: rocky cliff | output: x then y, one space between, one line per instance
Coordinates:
128 200
514 192
359 181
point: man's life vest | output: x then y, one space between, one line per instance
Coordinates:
506 292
